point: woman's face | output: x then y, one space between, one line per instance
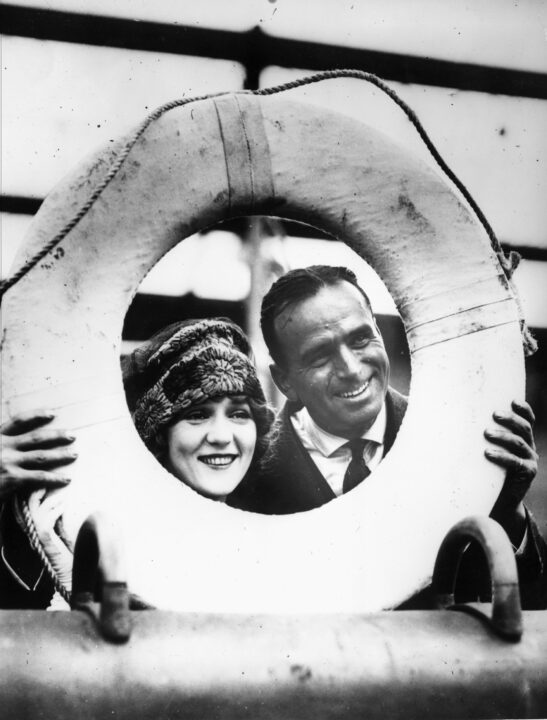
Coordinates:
211 446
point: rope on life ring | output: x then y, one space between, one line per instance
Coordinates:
508 262
32 534
233 155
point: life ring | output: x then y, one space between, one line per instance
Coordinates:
240 155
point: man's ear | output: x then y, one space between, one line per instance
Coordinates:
376 324
281 379
378 330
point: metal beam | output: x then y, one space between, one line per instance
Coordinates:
255 50
19 205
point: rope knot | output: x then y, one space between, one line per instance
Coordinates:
509 262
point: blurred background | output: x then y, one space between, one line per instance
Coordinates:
78 73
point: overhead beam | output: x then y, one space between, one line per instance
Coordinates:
20 205
256 50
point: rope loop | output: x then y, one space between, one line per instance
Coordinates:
508 262
37 546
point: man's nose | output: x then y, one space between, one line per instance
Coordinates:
219 431
348 363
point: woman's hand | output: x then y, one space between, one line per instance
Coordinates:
46 509
513 448
31 454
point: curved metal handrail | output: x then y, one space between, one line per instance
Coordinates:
506 617
97 573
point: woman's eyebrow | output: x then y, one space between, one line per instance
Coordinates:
239 399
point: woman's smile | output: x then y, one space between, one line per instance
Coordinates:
217 461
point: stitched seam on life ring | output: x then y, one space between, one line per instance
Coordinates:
458 312
259 161
414 347
458 289
248 148
225 158
246 153
463 334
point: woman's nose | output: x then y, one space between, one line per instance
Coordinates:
219 431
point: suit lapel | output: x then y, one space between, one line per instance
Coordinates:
303 480
304 486
395 409
289 481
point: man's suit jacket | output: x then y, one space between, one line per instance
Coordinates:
290 482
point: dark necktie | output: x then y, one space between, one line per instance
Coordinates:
357 469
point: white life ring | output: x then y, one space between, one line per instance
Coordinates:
241 155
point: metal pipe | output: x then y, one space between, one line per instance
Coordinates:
397 665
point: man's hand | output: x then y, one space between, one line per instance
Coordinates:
514 450
31 453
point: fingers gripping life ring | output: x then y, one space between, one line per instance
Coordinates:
240 155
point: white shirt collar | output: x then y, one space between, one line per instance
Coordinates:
327 443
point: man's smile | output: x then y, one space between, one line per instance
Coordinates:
357 393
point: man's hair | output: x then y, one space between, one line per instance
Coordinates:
293 287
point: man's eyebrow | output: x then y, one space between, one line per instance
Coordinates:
317 347
365 327
324 344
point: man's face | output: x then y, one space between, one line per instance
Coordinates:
335 361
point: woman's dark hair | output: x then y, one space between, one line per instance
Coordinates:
263 416
293 287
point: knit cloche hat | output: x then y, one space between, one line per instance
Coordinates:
185 364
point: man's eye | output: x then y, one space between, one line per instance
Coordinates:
318 361
362 339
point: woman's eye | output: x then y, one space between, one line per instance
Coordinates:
241 415
195 416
